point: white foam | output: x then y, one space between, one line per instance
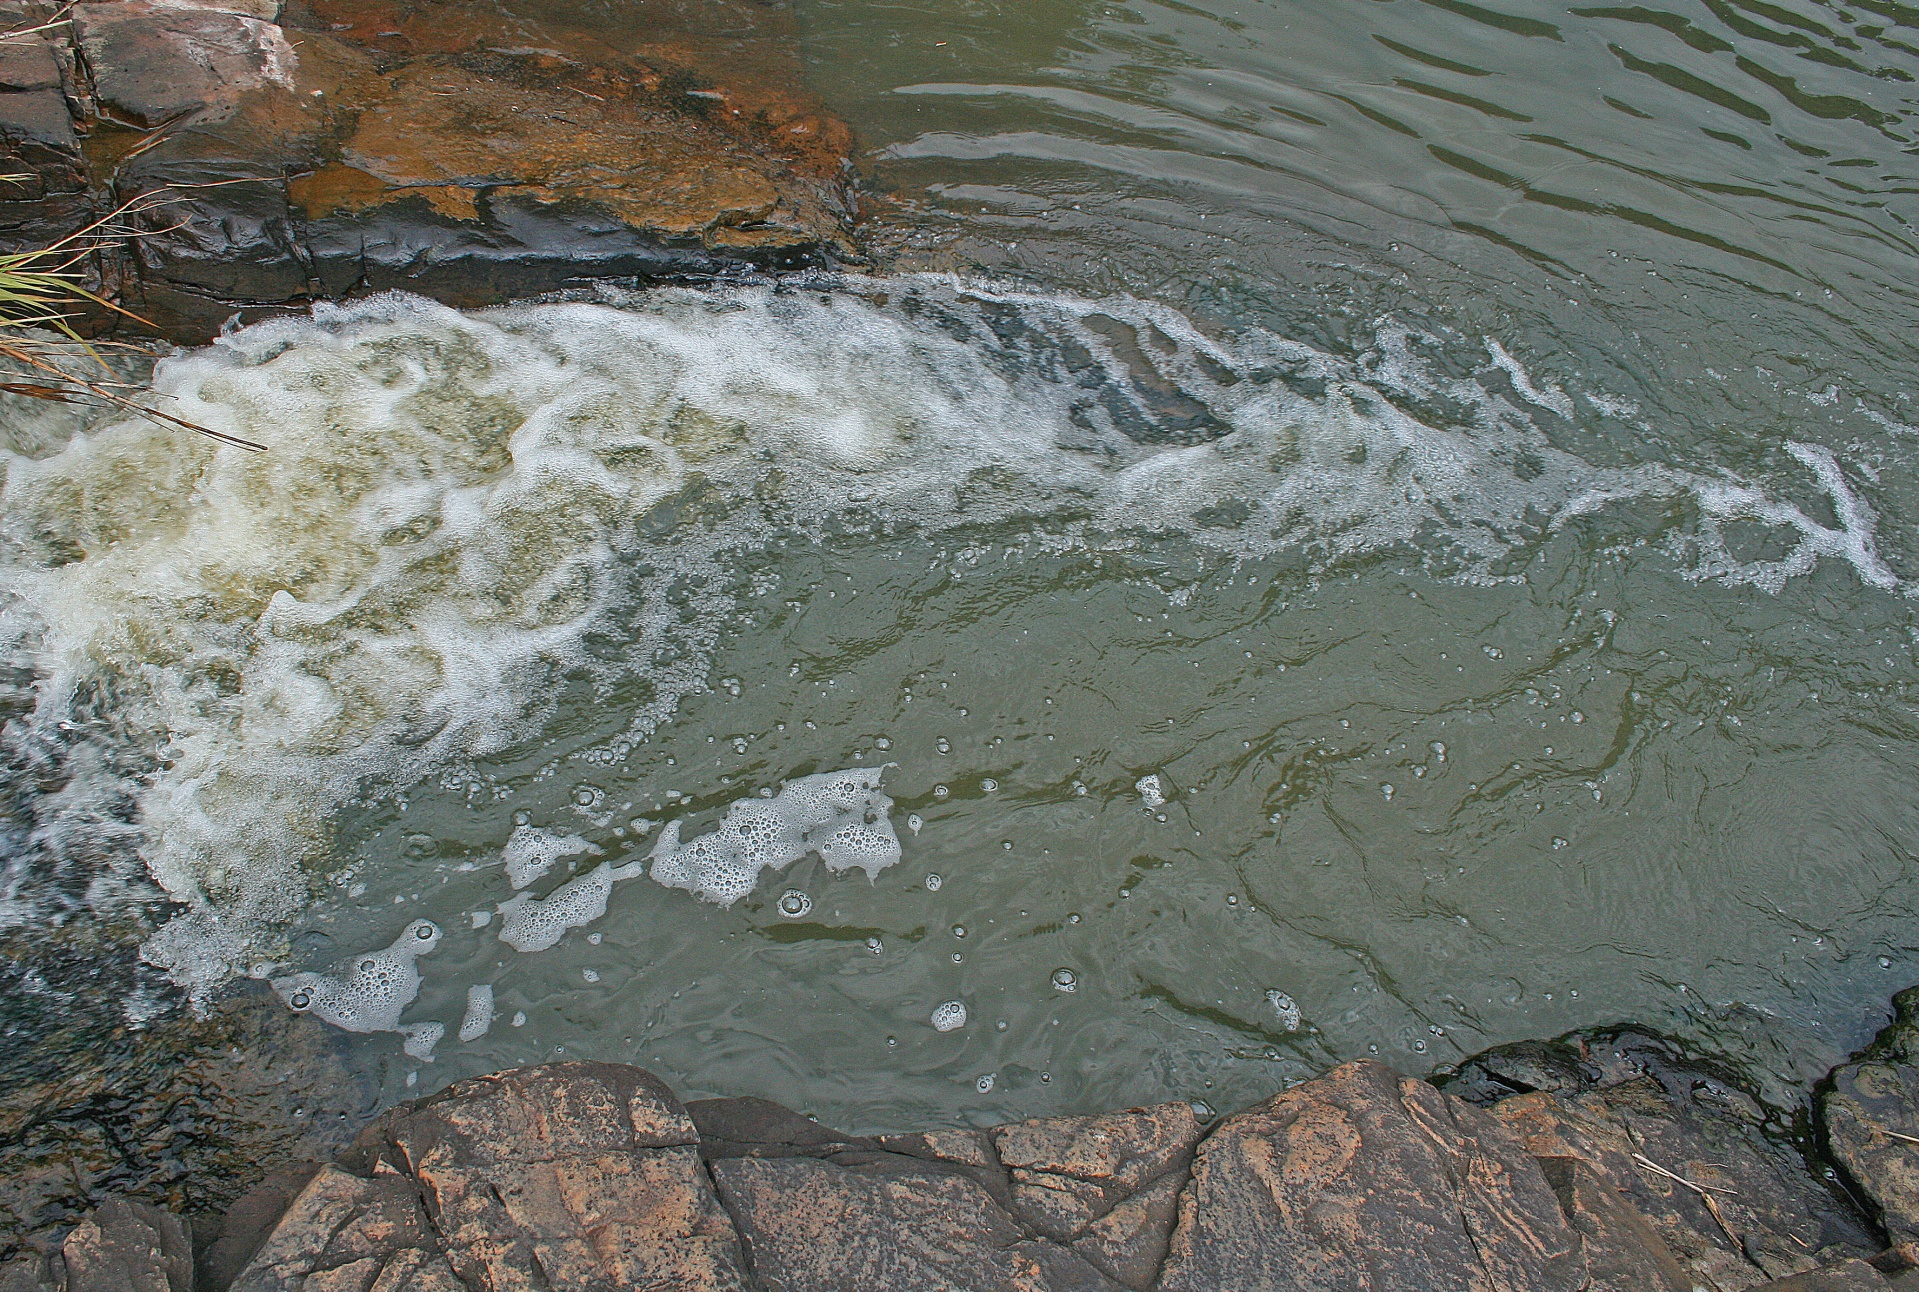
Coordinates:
535 924
949 1016
452 503
530 852
369 992
479 1012
1151 791
840 815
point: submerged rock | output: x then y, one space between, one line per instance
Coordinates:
471 152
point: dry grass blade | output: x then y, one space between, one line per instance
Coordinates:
40 288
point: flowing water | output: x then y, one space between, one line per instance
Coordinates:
1343 528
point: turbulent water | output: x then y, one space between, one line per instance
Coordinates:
1396 539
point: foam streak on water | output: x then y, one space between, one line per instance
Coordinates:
456 510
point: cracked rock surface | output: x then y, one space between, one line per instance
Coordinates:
1633 1173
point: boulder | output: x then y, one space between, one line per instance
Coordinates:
1363 1178
127 1246
575 1175
1870 1116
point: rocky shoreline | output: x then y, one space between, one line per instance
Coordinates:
1609 1163
281 154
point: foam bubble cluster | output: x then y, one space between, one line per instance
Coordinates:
535 924
369 992
842 816
530 852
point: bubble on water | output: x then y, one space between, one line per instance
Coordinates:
842 816
875 945
1386 790
914 822
985 1084
1285 1008
530 852
949 1016
1065 980
793 904
370 991
479 1012
942 745
590 975
941 792
933 883
989 785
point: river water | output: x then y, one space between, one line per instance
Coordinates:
1335 529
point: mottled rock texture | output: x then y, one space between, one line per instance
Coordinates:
1710 1198
470 151
1634 1172
1870 1115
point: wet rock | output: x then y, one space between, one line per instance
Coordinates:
815 1226
1128 1244
1870 1116
225 1245
470 151
1362 1178
1850 1276
28 1274
184 1113
345 1232
1522 1068
129 1247
1121 1150
162 64
1729 1205
575 1175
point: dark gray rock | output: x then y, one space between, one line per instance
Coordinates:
1850 1276
1870 1116
1363 1178
154 65
28 65
1730 1205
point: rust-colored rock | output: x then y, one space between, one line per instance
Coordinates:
346 1232
1365 1179
815 1226
1124 1150
575 1175
471 151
